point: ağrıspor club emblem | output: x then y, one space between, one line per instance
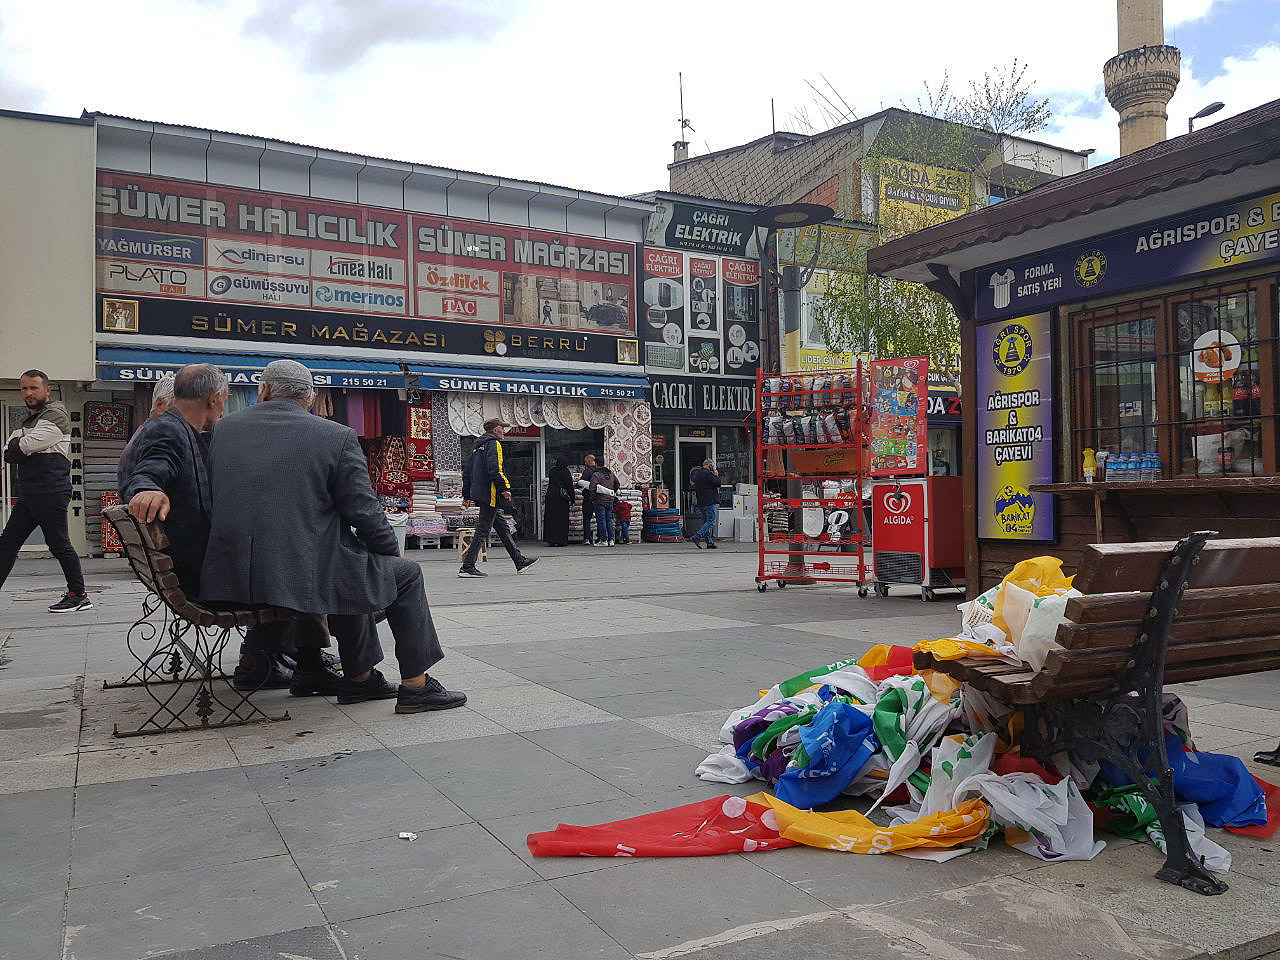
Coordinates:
1012 349
1091 267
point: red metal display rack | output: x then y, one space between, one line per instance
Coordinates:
811 431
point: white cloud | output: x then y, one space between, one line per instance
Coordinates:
567 91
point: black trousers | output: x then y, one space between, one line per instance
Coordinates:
50 515
409 616
484 523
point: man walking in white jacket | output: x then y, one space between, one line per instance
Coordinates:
40 450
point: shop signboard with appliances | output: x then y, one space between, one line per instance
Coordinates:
701 288
182 259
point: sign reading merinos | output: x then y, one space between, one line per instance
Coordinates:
236 248
1213 238
1015 428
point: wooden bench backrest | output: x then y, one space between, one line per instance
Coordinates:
1120 567
145 546
1227 623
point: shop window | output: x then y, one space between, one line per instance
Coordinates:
1191 377
734 453
573 445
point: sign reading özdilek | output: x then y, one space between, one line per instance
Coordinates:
1015 428
1213 238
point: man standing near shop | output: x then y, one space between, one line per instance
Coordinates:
589 467
39 450
485 483
706 490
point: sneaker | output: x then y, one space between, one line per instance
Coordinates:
375 688
611 543
524 563
72 603
431 697
696 542
711 546
316 683
466 572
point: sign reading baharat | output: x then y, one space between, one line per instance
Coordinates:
177 240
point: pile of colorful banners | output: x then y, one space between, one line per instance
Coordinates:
942 764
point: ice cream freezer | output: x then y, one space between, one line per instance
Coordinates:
918 534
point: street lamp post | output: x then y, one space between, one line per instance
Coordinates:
1203 112
792 280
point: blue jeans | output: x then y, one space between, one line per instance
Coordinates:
604 522
624 529
710 517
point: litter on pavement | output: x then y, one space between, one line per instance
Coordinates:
939 760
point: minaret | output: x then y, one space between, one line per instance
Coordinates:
1141 77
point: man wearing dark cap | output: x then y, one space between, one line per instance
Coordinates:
485 483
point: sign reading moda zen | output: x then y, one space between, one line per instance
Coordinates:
194 241
1015 428
1213 238
702 398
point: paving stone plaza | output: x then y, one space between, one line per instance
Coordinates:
596 684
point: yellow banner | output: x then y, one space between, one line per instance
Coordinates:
915 195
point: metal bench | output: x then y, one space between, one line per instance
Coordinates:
1100 697
177 642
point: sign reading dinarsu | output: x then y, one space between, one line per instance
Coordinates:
176 240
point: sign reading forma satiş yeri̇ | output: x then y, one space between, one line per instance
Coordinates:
1015 428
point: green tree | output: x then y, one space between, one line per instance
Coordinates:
885 317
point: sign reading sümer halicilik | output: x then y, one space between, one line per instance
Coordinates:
1015 428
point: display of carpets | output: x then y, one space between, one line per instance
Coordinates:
446 448
110 539
418 444
104 420
449 483
628 442
661 526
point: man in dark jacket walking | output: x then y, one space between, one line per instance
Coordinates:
706 489
40 449
296 524
485 483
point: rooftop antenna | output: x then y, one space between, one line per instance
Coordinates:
684 122
773 117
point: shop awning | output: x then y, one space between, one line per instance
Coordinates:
138 365
141 365
529 382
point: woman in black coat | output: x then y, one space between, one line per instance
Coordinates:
560 496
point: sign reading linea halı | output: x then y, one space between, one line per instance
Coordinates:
1214 238
1015 428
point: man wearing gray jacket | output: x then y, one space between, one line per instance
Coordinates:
296 524
39 450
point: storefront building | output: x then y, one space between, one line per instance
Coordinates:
701 335
1126 315
424 300
46 287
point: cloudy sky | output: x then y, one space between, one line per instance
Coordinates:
584 93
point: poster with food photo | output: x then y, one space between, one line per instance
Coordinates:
898 426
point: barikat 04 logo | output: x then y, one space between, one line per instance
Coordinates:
1012 349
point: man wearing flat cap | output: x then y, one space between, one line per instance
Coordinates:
485 483
296 524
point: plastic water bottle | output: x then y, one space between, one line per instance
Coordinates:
1125 473
1157 467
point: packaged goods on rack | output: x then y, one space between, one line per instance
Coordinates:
811 431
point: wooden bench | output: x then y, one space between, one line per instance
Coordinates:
1100 696
186 642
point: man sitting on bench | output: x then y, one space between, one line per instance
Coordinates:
289 488
164 475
